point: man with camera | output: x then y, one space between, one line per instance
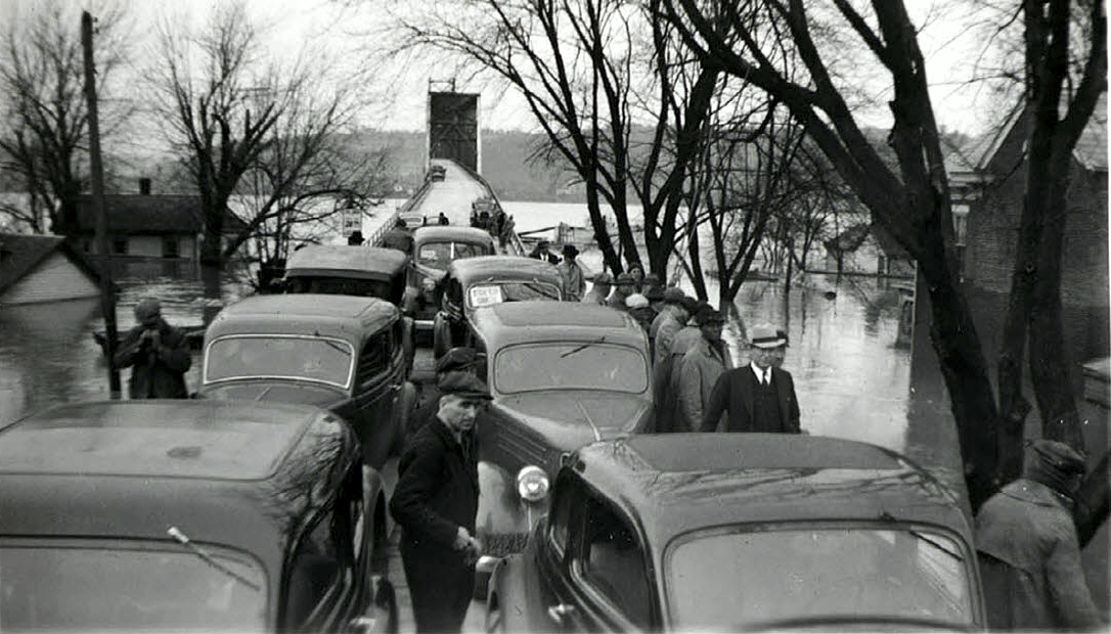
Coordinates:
157 354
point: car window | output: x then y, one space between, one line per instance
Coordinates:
94 585
322 565
375 357
320 359
488 294
722 579
559 520
612 562
572 365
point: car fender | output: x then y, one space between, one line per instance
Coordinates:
500 509
515 602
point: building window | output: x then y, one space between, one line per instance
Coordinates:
960 224
119 246
170 247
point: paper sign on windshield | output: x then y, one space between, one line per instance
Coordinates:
429 254
485 296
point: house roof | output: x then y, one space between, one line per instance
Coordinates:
1090 150
20 254
147 214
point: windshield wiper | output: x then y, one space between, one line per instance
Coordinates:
937 545
333 345
182 539
597 341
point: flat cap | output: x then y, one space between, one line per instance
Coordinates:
673 295
603 278
465 385
626 279
654 293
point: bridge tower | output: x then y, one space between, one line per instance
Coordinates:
453 126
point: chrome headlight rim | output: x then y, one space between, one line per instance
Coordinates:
532 484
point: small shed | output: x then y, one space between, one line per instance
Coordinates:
37 269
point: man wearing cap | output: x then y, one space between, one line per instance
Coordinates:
699 370
1027 547
758 397
436 502
600 290
574 285
459 359
665 377
625 286
157 354
637 307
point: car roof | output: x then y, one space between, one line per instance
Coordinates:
453 233
503 267
510 323
368 262
220 440
347 317
676 483
246 475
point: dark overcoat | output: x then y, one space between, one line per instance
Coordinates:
437 492
155 373
735 394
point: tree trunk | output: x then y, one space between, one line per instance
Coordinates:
965 370
601 233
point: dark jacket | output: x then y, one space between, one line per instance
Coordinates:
1030 561
437 489
735 394
155 373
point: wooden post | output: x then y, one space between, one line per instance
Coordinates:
107 298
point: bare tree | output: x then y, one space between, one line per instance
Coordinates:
43 141
220 117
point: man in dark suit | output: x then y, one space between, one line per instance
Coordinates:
758 397
436 502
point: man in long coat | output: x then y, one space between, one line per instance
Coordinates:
436 501
758 397
600 290
1027 546
699 371
669 322
574 283
157 354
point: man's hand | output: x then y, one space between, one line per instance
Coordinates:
469 545
155 338
462 539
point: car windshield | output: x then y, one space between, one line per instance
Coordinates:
488 294
318 359
81 589
589 365
439 255
732 579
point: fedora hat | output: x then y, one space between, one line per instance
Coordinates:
766 337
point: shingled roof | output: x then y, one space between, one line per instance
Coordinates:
20 254
149 214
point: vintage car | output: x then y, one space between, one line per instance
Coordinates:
437 173
189 516
562 375
434 249
350 270
339 352
742 532
484 281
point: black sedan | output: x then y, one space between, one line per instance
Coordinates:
731 532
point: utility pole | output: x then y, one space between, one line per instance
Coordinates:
107 298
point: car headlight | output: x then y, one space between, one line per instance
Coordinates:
532 484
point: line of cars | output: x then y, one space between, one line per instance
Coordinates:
586 524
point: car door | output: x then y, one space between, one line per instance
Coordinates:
321 587
376 387
607 586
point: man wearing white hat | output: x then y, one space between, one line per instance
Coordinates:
758 397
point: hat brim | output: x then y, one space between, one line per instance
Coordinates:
472 396
769 345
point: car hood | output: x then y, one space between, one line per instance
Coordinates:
572 418
297 392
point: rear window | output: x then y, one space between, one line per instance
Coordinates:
439 255
86 588
341 286
319 359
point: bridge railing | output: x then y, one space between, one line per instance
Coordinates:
513 241
416 199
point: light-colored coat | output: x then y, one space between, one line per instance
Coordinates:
1032 576
667 324
698 373
574 284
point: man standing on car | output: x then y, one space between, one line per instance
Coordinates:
758 397
574 284
436 501
157 354
1028 551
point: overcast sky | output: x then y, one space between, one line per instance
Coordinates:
342 31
